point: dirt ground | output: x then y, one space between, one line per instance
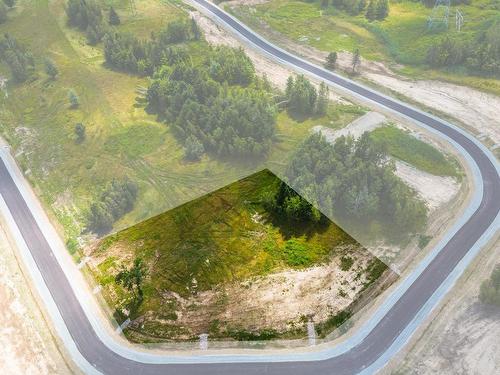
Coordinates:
462 337
280 300
473 108
26 343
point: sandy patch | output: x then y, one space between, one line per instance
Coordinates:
434 190
281 300
462 338
355 129
26 344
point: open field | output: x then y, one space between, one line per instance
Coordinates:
402 38
225 264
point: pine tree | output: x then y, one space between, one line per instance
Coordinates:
322 101
9 3
356 60
51 68
114 19
80 132
74 101
195 29
331 60
371 11
382 9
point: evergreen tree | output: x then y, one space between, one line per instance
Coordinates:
301 96
325 3
113 19
80 132
51 68
195 30
74 101
18 58
356 60
10 3
323 97
194 149
331 60
371 11
382 9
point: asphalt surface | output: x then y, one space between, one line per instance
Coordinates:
367 352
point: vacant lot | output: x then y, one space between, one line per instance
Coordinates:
227 265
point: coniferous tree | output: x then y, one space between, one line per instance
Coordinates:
17 57
51 68
80 132
322 101
10 3
331 61
356 61
382 9
114 18
371 11
74 101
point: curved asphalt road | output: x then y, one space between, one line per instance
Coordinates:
353 361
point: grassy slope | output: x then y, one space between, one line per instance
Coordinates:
122 139
411 150
403 37
214 240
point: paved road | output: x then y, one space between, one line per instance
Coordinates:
350 362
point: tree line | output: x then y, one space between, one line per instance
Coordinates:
354 181
117 199
480 55
373 9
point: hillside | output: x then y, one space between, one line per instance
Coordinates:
205 260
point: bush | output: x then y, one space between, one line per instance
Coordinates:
489 293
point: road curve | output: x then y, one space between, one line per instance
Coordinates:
378 340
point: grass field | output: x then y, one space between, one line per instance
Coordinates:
122 139
402 38
413 151
221 238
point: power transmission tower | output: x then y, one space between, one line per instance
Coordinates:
459 20
440 14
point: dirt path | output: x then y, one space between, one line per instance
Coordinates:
26 343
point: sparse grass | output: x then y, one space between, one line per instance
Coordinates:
413 151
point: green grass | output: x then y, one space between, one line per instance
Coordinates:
402 38
413 151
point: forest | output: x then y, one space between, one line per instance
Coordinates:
354 182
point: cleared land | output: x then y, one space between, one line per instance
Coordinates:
226 265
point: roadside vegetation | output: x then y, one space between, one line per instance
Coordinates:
404 36
490 289
405 147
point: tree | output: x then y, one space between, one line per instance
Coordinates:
331 61
51 68
325 3
17 57
3 12
371 11
195 29
132 278
356 61
194 149
113 18
80 132
10 3
322 101
382 9
301 95
74 101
